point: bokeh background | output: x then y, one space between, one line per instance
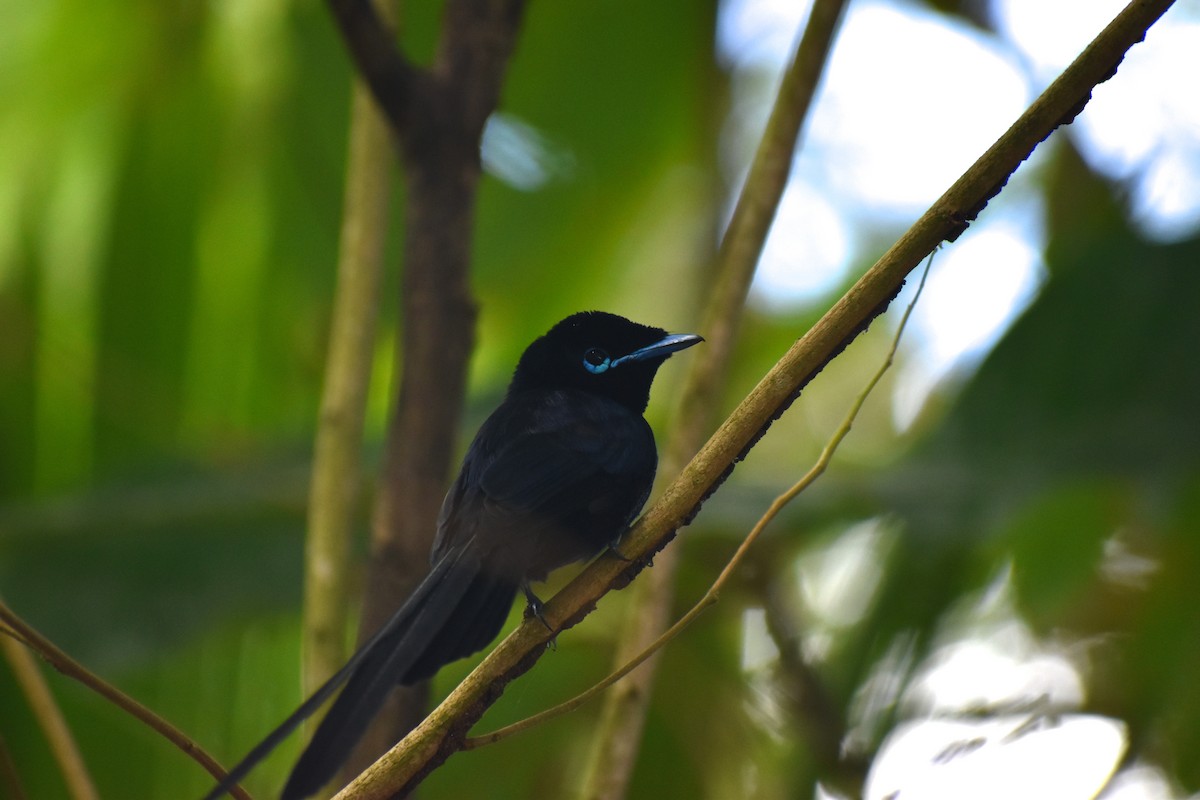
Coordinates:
1004 550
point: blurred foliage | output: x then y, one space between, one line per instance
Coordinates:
169 201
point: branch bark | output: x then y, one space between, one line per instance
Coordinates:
380 64
616 744
442 732
438 116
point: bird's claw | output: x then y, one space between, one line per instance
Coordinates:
533 607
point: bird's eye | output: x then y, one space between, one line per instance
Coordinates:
595 360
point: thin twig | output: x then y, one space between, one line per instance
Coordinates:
714 591
73 669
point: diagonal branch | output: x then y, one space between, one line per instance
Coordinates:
372 45
441 734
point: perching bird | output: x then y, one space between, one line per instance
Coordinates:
555 475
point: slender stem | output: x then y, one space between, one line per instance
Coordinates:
440 152
73 669
380 64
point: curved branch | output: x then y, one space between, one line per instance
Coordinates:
442 732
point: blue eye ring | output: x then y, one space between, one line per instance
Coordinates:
596 360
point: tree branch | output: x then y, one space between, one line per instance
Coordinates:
441 734
380 64
440 148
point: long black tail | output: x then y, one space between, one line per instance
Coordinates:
455 611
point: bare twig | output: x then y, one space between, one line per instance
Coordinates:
380 64
73 669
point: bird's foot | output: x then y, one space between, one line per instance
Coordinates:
533 606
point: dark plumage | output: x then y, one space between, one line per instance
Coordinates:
555 475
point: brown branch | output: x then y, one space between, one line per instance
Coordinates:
441 734
76 671
618 736
372 45
440 148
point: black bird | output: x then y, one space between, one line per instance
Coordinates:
555 475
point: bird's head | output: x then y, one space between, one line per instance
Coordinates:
600 353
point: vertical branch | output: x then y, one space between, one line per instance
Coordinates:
439 122
337 461
615 747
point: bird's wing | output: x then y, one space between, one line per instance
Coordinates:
557 460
